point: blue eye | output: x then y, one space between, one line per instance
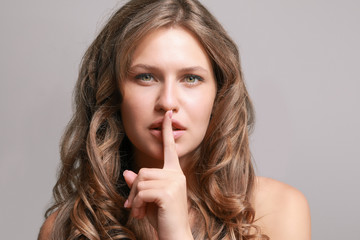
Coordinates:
192 79
146 77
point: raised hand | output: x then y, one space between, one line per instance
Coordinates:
160 194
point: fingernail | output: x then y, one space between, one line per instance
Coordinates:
170 114
126 203
124 172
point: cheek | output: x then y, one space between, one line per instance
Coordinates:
133 102
201 109
131 113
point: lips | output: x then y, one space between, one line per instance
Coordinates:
176 125
156 129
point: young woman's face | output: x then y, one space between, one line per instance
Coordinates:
170 70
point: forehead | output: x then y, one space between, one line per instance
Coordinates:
170 45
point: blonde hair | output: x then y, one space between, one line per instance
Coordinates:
90 191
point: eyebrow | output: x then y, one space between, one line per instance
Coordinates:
156 69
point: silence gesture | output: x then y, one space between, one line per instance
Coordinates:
160 194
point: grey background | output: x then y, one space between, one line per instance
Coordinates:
301 65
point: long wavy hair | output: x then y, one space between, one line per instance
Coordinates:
90 192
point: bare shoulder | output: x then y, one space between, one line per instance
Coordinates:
282 211
46 228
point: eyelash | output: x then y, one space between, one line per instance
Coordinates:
199 79
150 77
142 75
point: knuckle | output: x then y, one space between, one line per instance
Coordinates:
179 185
141 185
171 192
182 178
168 193
143 172
140 196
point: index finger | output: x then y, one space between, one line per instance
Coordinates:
171 159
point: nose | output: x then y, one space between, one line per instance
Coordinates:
167 97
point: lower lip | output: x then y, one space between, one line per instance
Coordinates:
158 134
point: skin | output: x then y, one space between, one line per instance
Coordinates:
282 211
170 70
158 184
160 194
171 80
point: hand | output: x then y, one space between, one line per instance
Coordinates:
160 194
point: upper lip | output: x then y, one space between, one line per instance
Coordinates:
176 125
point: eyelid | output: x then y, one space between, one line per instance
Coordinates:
199 79
151 78
195 76
141 75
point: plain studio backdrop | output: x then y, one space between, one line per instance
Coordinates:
301 64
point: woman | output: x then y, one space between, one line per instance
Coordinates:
158 144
